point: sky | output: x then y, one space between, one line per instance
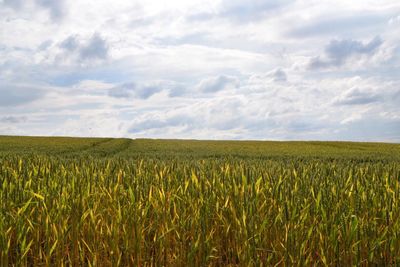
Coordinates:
201 69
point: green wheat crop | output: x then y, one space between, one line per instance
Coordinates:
120 202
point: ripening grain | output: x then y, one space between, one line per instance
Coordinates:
188 209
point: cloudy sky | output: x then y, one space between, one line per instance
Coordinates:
218 69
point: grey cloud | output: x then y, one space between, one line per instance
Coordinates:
96 48
16 4
44 45
397 94
260 81
13 119
122 91
242 11
278 75
218 83
356 96
338 25
318 63
139 22
56 8
177 90
337 52
143 91
250 10
70 44
147 91
342 49
13 95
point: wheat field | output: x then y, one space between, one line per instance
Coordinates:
123 202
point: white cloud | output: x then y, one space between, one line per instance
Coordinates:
200 69
394 20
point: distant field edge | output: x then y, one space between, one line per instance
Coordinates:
202 140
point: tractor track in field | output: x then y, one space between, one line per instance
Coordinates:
95 145
123 147
116 147
87 148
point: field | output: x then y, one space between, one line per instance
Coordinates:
123 202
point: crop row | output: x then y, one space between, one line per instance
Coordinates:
216 212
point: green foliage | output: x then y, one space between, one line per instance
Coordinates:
122 202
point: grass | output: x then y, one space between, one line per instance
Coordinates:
123 202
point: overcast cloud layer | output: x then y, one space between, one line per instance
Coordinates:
228 69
